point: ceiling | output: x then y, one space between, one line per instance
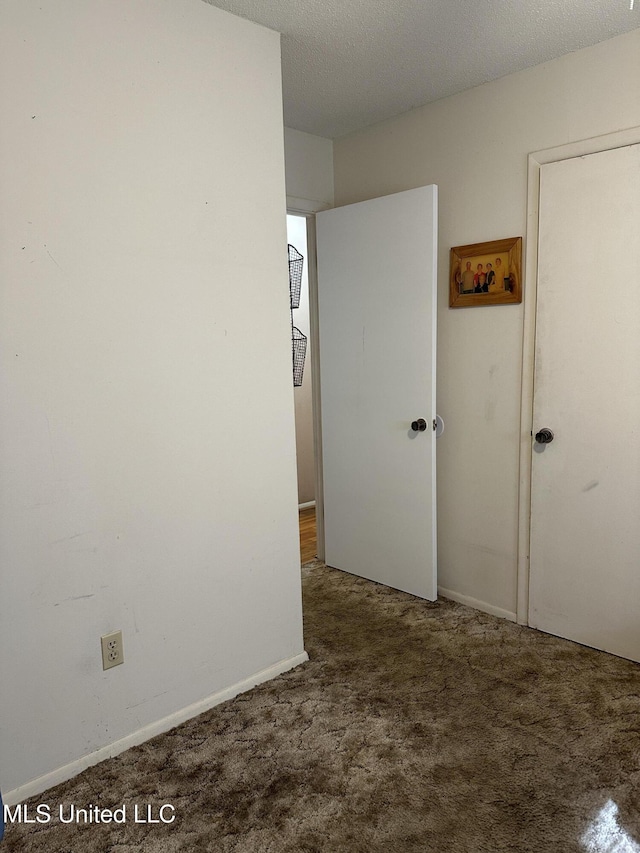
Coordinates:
347 64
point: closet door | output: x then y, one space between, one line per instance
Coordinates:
585 511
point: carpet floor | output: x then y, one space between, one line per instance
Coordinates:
413 727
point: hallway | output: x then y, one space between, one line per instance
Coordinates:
308 538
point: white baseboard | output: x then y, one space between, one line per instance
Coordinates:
68 771
477 604
307 505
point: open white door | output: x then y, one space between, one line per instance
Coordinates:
585 496
377 320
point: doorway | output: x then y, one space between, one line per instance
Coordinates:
301 236
303 398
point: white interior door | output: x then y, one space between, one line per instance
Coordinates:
585 510
377 320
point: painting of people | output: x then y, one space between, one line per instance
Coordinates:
486 273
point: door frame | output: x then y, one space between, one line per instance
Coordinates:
594 145
308 209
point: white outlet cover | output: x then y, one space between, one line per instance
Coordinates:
112 650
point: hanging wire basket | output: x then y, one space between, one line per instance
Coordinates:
299 351
296 261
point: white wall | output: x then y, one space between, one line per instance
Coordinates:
141 140
474 146
309 170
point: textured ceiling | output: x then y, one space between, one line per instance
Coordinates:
347 64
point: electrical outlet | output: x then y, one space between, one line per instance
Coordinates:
112 651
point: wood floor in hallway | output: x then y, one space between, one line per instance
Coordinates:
308 537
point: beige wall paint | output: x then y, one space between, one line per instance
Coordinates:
309 170
141 141
474 146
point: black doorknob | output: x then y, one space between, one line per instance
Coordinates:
419 426
545 436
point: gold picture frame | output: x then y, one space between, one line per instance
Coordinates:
486 273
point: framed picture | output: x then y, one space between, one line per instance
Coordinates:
486 273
